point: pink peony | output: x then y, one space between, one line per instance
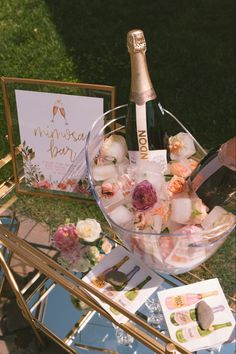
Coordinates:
144 196
65 237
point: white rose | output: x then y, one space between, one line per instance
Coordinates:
89 229
181 146
114 148
93 253
82 265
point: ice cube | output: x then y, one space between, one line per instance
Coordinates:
181 209
103 172
217 216
173 226
122 166
157 223
121 215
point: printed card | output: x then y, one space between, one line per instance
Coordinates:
53 130
179 309
141 282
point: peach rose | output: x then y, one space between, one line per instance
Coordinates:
176 185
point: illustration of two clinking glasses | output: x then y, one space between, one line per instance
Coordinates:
58 110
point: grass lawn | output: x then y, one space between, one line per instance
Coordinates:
191 55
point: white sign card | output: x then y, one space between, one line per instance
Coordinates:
179 305
141 284
53 130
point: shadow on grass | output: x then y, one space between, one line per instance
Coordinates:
190 54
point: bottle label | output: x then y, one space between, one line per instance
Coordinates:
182 317
205 173
190 333
142 136
158 156
144 154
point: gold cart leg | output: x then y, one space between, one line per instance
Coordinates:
19 298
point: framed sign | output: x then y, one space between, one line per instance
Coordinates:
48 122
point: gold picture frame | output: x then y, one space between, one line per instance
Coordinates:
9 85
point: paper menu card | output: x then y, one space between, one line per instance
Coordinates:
142 279
53 129
178 305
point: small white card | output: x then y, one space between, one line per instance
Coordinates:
142 282
178 306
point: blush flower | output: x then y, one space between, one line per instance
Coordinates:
109 188
44 184
144 196
65 237
106 246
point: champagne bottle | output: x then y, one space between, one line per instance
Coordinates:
145 133
214 179
173 302
99 281
188 316
195 332
131 294
129 276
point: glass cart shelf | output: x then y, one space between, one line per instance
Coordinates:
48 299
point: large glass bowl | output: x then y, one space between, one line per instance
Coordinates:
165 252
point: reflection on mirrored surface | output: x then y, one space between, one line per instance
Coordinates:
88 329
52 306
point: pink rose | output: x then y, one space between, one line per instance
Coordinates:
144 196
65 237
109 188
101 257
62 185
43 184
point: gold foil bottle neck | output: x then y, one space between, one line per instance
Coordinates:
136 41
141 85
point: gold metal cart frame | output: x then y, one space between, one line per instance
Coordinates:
15 150
78 288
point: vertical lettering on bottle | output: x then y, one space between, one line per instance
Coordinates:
141 123
143 144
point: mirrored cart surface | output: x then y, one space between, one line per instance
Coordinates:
47 297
